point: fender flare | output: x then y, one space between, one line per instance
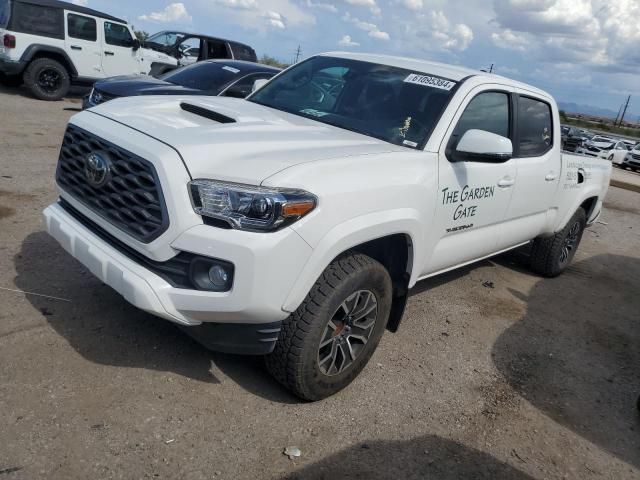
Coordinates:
33 50
350 234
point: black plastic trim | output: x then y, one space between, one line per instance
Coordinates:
206 113
237 338
35 48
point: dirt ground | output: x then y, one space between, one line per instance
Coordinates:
495 373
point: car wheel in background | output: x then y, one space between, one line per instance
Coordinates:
329 339
550 256
47 79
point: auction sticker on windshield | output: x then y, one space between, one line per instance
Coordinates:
429 81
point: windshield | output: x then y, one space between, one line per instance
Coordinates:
168 39
203 76
5 10
600 139
393 104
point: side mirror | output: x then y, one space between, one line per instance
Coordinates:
237 91
258 84
482 146
136 45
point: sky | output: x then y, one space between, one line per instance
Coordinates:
582 51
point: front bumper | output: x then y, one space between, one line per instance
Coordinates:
266 268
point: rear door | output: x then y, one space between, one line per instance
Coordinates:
537 160
119 57
83 45
473 197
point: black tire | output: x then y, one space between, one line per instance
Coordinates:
47 79
10 80
550 256
295 361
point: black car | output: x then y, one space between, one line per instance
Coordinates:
230 78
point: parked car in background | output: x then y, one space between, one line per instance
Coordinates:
50 44
228 78
614 151
188 48
574 138
632 159
595 145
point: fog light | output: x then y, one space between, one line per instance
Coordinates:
218 276
211 274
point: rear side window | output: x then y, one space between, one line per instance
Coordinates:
81 27
488 111
243 52
5 11
37 20
535 128
117 34
216 49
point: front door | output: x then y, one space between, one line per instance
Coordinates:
119 57
83 45
473 197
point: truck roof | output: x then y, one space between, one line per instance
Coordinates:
450 72
72 7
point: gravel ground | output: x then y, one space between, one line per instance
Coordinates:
495 373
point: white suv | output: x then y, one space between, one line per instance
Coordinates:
49 44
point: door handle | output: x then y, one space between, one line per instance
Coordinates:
551 176
75 47
506 182
109 53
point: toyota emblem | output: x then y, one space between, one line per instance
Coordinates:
96 169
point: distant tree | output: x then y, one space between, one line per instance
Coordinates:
563 115
141 34
267 60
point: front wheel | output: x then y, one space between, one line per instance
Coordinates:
329 339
47 79
550 256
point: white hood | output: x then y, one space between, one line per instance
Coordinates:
261 142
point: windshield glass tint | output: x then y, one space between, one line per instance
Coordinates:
203 76
5 9
396 105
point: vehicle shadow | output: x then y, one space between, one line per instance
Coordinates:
104 328
576 356
426 457
75 93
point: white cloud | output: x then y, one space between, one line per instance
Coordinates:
371 4
444 34
371 28
275 20
238 4
346 41
329 7
175 12
509 40
82 3
414 5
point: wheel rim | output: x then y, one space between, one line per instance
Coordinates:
49 80
348 332
570 243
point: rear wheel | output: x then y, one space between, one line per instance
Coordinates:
47 79
329 339
550 256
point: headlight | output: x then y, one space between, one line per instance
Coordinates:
248 207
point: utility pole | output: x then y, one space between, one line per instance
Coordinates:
624 111
618 115
491 68
298 54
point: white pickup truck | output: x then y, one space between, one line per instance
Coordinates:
293 224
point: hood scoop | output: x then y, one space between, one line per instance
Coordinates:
206 113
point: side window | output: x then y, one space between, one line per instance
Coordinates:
216 49
535 128
488 111
81 27
37 20
117 34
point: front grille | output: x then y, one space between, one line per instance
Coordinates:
636 156
98 97
593 149
175 270
130 197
